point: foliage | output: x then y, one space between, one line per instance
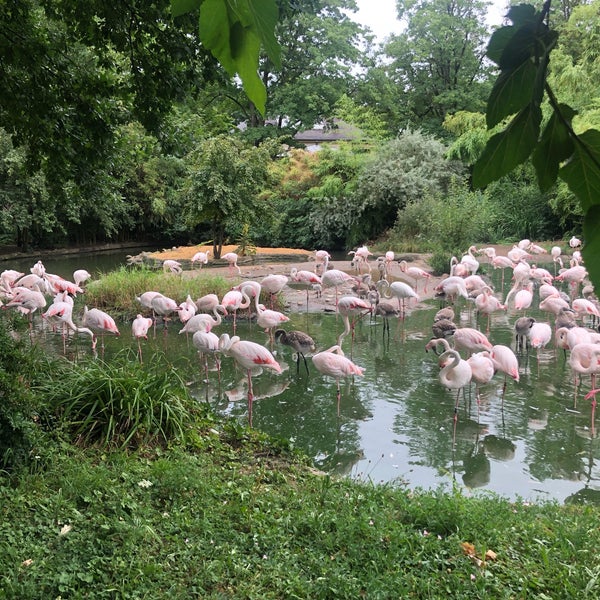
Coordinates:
223 188
97 524
436 63
119 289
522 51
121 404
19 410
234 32
401 172
367 119
445 225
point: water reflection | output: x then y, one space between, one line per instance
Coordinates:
396 423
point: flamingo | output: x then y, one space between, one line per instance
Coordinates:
146 298
574 242
249 356
482 371
522 327
233 301
306 279
335 278
63 312
98 320
361 257
388 310
351 306
556 253
203 321
301 342
452 287
399 290
207 342
273 284
506 362
38 269
139 330
455 374
207 303
524 297
164 307
487 303
187 310
584 360
322 258
471 340
443 328
172 266
268 319
581 306
80 276
458 269
517 254
574 276
333 363
470 262
416 273
200 257
232 258
539 335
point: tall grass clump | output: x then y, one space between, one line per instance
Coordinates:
121 404
119 289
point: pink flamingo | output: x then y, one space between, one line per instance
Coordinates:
207 303
482 371
539 335
249 356
163 307
306 279
203 321
471 340
187 310
268 319
207 342
415 273
273 284
487 304
452 287
332 362
351 306
582 306
574 276
233 301
524 297
98 320
322 258
146 298
63 312
139 330
584 360
232 258
172 266
200 257
80 276
399 290
506 362
336 278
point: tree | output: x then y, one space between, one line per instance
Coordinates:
437 64
225 179
522 52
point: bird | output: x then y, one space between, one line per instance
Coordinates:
471 340
443 328
487 303
233 301
455 374
207 302
333 363
539 335
336 278
522 327
351 307
200 257
80 276
305 279
388 310
268 319
139 330
164 307
482 371
524 297
452 287
99 321
62 311
574 276
301 342
172 266
470 262
582 307
399 290
187 310
232 258
207 342
584 360
146 298
556 253
249 356
415 273
273 284
322 258
574 242
506 362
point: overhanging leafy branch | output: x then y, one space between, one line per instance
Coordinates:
522 52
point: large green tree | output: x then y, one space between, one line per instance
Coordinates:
437 63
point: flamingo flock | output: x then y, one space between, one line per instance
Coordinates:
469 355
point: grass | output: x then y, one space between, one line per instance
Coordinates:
119 289
238 516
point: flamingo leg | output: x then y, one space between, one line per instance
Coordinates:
140 351
338 397
250 397
305 363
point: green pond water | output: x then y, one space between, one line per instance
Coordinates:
396 423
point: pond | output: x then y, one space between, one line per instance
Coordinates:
396 423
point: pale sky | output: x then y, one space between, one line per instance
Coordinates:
380 16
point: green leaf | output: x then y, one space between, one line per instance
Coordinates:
555 146
509 148
522 14
264 18
591 248
214 28
520 47
180 7
582 172
512 91
498 42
